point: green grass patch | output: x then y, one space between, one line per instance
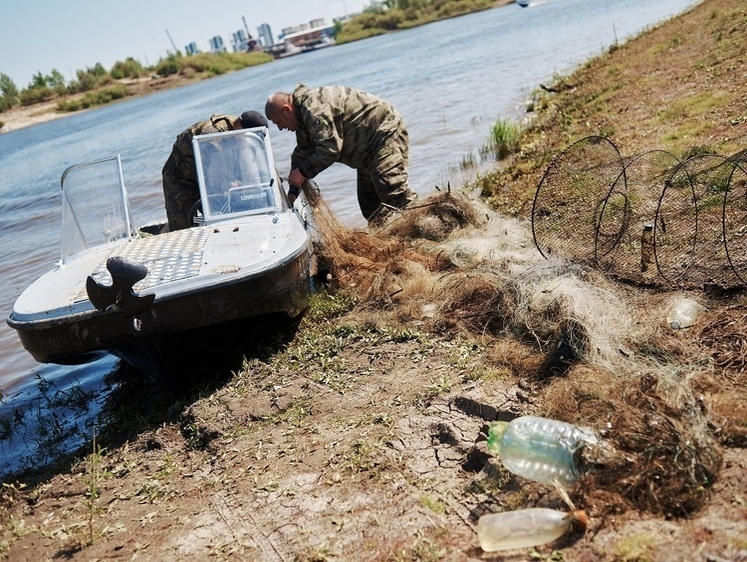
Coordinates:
505 137
696 105
95 98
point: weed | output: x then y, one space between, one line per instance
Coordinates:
505 137
318 553
433 504
468 162
635 548
424 550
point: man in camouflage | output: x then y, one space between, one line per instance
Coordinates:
180 189
340 124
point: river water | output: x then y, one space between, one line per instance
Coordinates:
451 80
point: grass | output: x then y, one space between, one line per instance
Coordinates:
635 548
433 504
505 137
93 492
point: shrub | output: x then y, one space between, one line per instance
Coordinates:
168 66
91 99
129 68
38 94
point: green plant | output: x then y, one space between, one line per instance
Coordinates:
92 99
8 93
505 137
635 548
129 68
434 504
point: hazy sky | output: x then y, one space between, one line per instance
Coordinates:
70 35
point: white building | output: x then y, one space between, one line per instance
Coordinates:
239 41
265 35
217 45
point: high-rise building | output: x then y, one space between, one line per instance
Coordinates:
265 35
239 41
192 49
217 45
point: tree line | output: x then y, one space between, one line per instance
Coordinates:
100 86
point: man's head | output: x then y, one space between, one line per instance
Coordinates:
251 119
281 111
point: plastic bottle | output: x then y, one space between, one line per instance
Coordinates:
524 528
683 313
541 449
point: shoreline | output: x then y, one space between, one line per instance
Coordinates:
21 117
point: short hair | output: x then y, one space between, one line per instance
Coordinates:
252 118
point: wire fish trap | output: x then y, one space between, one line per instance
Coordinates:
624 244
650 219
571 197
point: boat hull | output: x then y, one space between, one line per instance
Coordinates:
284 288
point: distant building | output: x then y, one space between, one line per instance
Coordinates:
265 35
293 29
193 49
307 37
217 45
239 41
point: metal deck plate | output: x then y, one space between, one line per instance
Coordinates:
168 257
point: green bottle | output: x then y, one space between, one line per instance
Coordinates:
540 449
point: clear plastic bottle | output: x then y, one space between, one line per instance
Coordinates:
683 313
525 528
541 449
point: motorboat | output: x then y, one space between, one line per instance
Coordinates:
135 292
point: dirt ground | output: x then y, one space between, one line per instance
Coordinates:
362 436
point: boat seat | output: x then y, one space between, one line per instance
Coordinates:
249 198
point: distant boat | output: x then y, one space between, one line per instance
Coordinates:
523 3
134 294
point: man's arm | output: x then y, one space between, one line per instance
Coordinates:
324 141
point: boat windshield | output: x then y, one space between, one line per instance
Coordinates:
236 174
94 205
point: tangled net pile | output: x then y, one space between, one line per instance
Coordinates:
650 219
450 265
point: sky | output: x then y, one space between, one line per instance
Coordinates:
70 35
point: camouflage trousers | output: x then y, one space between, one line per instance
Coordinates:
382 186
180 195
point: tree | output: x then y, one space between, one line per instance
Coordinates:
129 68
8 92
38 80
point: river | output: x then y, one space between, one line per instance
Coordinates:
451 80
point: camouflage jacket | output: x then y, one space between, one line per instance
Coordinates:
339 124
182 154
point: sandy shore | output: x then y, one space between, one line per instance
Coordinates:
20 117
